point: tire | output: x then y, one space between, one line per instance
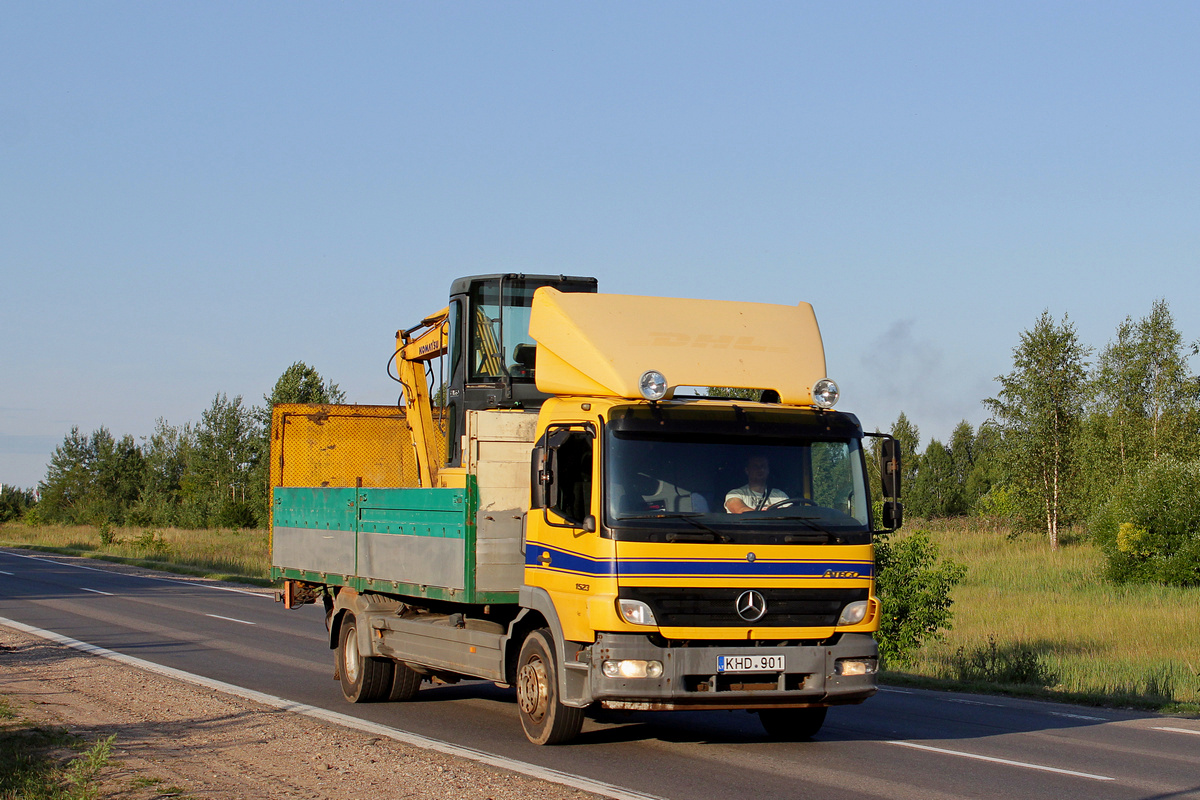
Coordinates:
365 679
405 682
792 724
544 718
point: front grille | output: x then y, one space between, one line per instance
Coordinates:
716 608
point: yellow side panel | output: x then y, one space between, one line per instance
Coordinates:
600 344
341 445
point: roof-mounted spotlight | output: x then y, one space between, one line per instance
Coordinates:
825 393
652 385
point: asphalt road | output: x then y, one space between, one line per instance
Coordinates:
899 744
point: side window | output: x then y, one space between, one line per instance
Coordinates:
572 489
455 335
832 483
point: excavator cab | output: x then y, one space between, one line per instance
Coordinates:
492 357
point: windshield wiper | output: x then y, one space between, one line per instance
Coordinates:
714 536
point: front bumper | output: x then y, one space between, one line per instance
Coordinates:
690 678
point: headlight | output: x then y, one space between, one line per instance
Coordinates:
853 613
653 385
635 612
632 668
856 666
825 393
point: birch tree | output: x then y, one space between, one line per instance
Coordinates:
1039 410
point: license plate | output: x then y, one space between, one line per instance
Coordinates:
749 663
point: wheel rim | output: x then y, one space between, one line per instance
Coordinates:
533 689
350 657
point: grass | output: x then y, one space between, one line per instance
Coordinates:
32 766
1030 618
223 554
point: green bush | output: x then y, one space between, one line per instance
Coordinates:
914 585
153 544
1014 664
998 502
1149 529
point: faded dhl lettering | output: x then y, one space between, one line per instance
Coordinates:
713 342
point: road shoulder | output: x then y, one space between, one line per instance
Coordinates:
175 739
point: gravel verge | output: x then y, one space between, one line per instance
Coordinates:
174 739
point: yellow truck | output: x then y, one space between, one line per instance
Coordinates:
578 519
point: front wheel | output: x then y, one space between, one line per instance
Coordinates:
544 718
792 724
365 679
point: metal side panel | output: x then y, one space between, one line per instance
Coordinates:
500 562
476 653
313 529
413 536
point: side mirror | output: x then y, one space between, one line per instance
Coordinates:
541 476
889 468
893 514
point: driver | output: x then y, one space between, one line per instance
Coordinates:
755 495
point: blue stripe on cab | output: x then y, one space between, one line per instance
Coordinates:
558 560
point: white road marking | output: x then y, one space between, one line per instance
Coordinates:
894 691
524 768
96 591
1076 716
267 595
1005 761
1177 730
230 619
975 703
2 572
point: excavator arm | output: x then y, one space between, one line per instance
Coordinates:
416 347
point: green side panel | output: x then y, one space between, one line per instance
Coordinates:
410 542
314 507
413 536
315 530
439 513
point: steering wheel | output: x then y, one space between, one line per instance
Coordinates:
792 501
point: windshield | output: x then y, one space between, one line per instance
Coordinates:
729 485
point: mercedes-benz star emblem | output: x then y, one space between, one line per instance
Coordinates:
751 606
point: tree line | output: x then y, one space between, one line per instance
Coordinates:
1104 442
213 473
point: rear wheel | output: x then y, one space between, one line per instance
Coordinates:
792 724
544 718
405 682
365 679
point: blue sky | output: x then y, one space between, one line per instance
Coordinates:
195 195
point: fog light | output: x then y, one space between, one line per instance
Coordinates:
853 613
632 668
856 666
635 612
